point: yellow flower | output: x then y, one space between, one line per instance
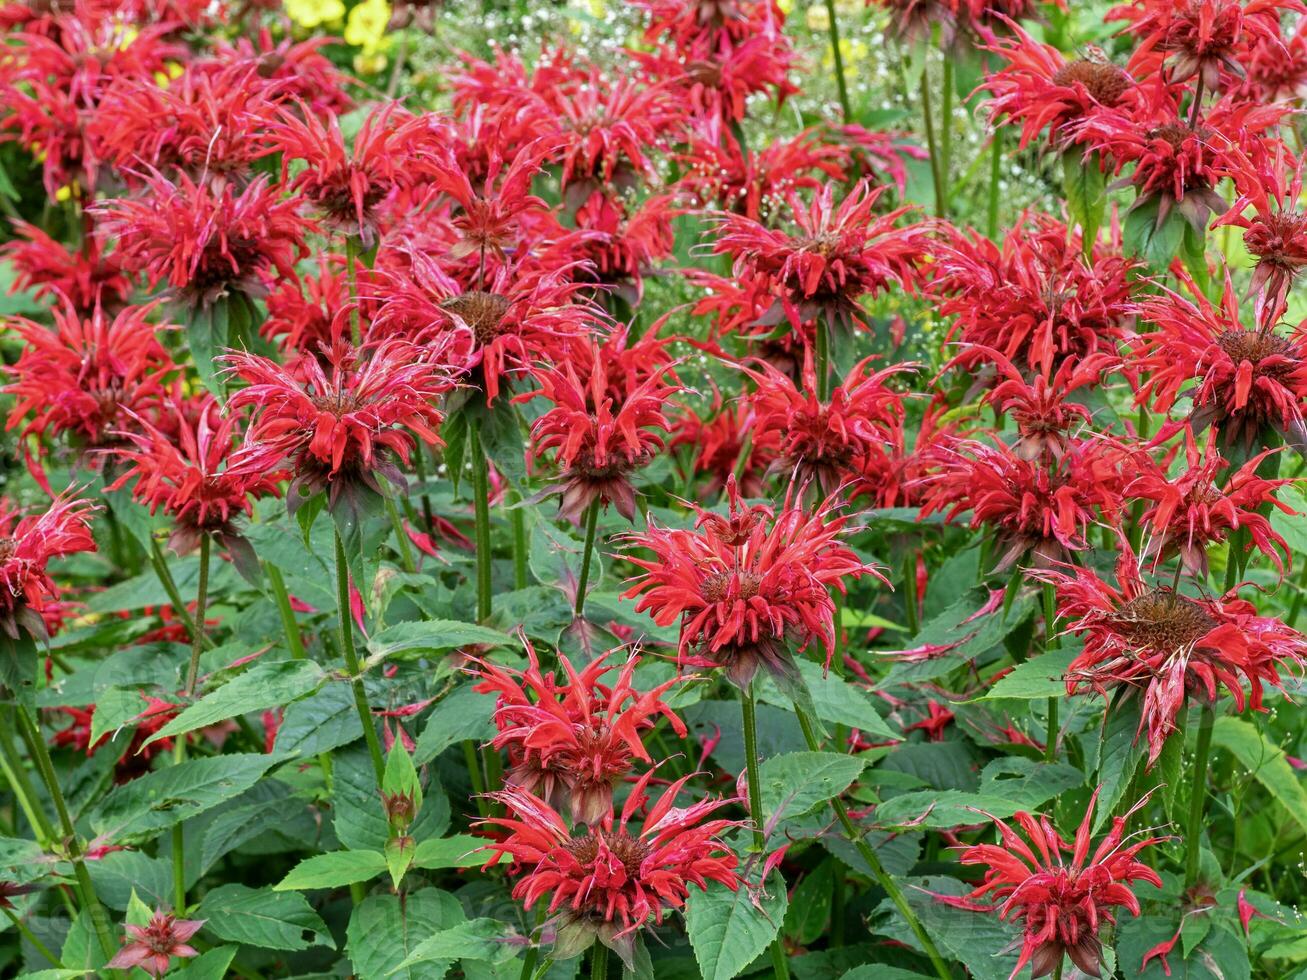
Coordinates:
314 13
366 27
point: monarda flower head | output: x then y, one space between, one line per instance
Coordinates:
343 186
1034 297
746 587
1061 892
1042 91
824 442
186 473
608 882
337 425
598 438
88 375
1201 502
1035 511
27 543
837 255
1251 385
569 743
85 277
1168 648
206 240
151 947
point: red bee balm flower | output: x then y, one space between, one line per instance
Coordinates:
204 239
1247 381
1169 646
606 884
152 946
598 439
570 743
745 585
186 475
1062 904
27 543
337 424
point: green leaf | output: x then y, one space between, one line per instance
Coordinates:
119 873
399 857
807 916
998 797
160 799
1042 676
1222 954
970 634
265 685
431 636
401 776
459 851
332 870
1265 762
325 720
262 917
461 714
18 659
1157 244
728 931
1121 754
207 328
796 782
115 708
476 939
207 966
835 700
1084 186
382 933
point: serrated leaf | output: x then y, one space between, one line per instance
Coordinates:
1120 757
207 966
462 714
796 782
333 870
459 851
320 722
728 931
262 917
1084 186
943 809
399 858
263 686
1156 243
160 799
430 636
1042 676
1265 762
835 701
382 933
476 939
115 707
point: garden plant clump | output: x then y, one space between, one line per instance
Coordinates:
663 489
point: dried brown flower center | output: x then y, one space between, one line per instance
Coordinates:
482 312
8 546
631 851
1173 133
721 586
1106 83
1161 620
1256 347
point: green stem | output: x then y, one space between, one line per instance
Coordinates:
473 765
868 854
936 171
16 775
833 27
481 507
294 643
910 589
946 125
351 271
598 961
822 358
749 716
86 890
352 662
405 549
1198 796
1051 643
591 522
39 946
160 565
197 628
521 548
995 172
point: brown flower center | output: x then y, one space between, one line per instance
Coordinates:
1106 83
1256 347
1163 621
721 586
631 851
483 313
7 548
